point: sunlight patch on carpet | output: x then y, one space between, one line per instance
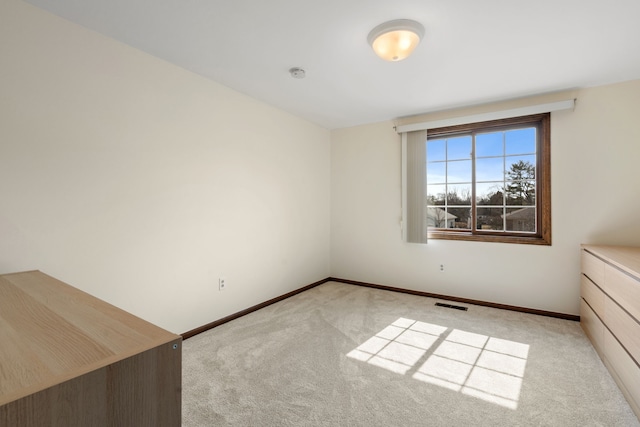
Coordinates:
487 368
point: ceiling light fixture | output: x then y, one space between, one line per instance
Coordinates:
395 40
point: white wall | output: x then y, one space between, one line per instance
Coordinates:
142 183
595 199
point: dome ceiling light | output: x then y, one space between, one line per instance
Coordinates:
395 40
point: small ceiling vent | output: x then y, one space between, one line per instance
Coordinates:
297 73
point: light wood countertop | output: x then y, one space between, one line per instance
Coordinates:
51 332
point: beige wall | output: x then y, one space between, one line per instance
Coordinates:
142 183
595 199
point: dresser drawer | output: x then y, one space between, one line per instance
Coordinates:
592 326
592 295
593 268
623 326
624 289
625 371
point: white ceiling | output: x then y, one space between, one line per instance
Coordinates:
474 51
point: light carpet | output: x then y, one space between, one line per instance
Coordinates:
345 355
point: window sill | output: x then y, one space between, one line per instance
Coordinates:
490 238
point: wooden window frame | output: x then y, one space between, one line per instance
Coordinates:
542 236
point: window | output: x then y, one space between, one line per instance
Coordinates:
487 181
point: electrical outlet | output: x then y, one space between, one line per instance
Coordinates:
222 283
441 268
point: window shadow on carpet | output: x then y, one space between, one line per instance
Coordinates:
487 368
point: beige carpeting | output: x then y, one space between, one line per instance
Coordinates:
344 355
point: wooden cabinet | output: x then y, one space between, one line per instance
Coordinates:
69 359
610 312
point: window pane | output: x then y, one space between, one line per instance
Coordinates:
490 193
521 167
489 144
521 219
481 175
436 149
459 148
462 217
459 195
438 218
435 194
490 219
436 172
459 171
490 169
520 141
521 193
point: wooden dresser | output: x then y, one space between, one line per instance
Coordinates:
610 312
69 359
